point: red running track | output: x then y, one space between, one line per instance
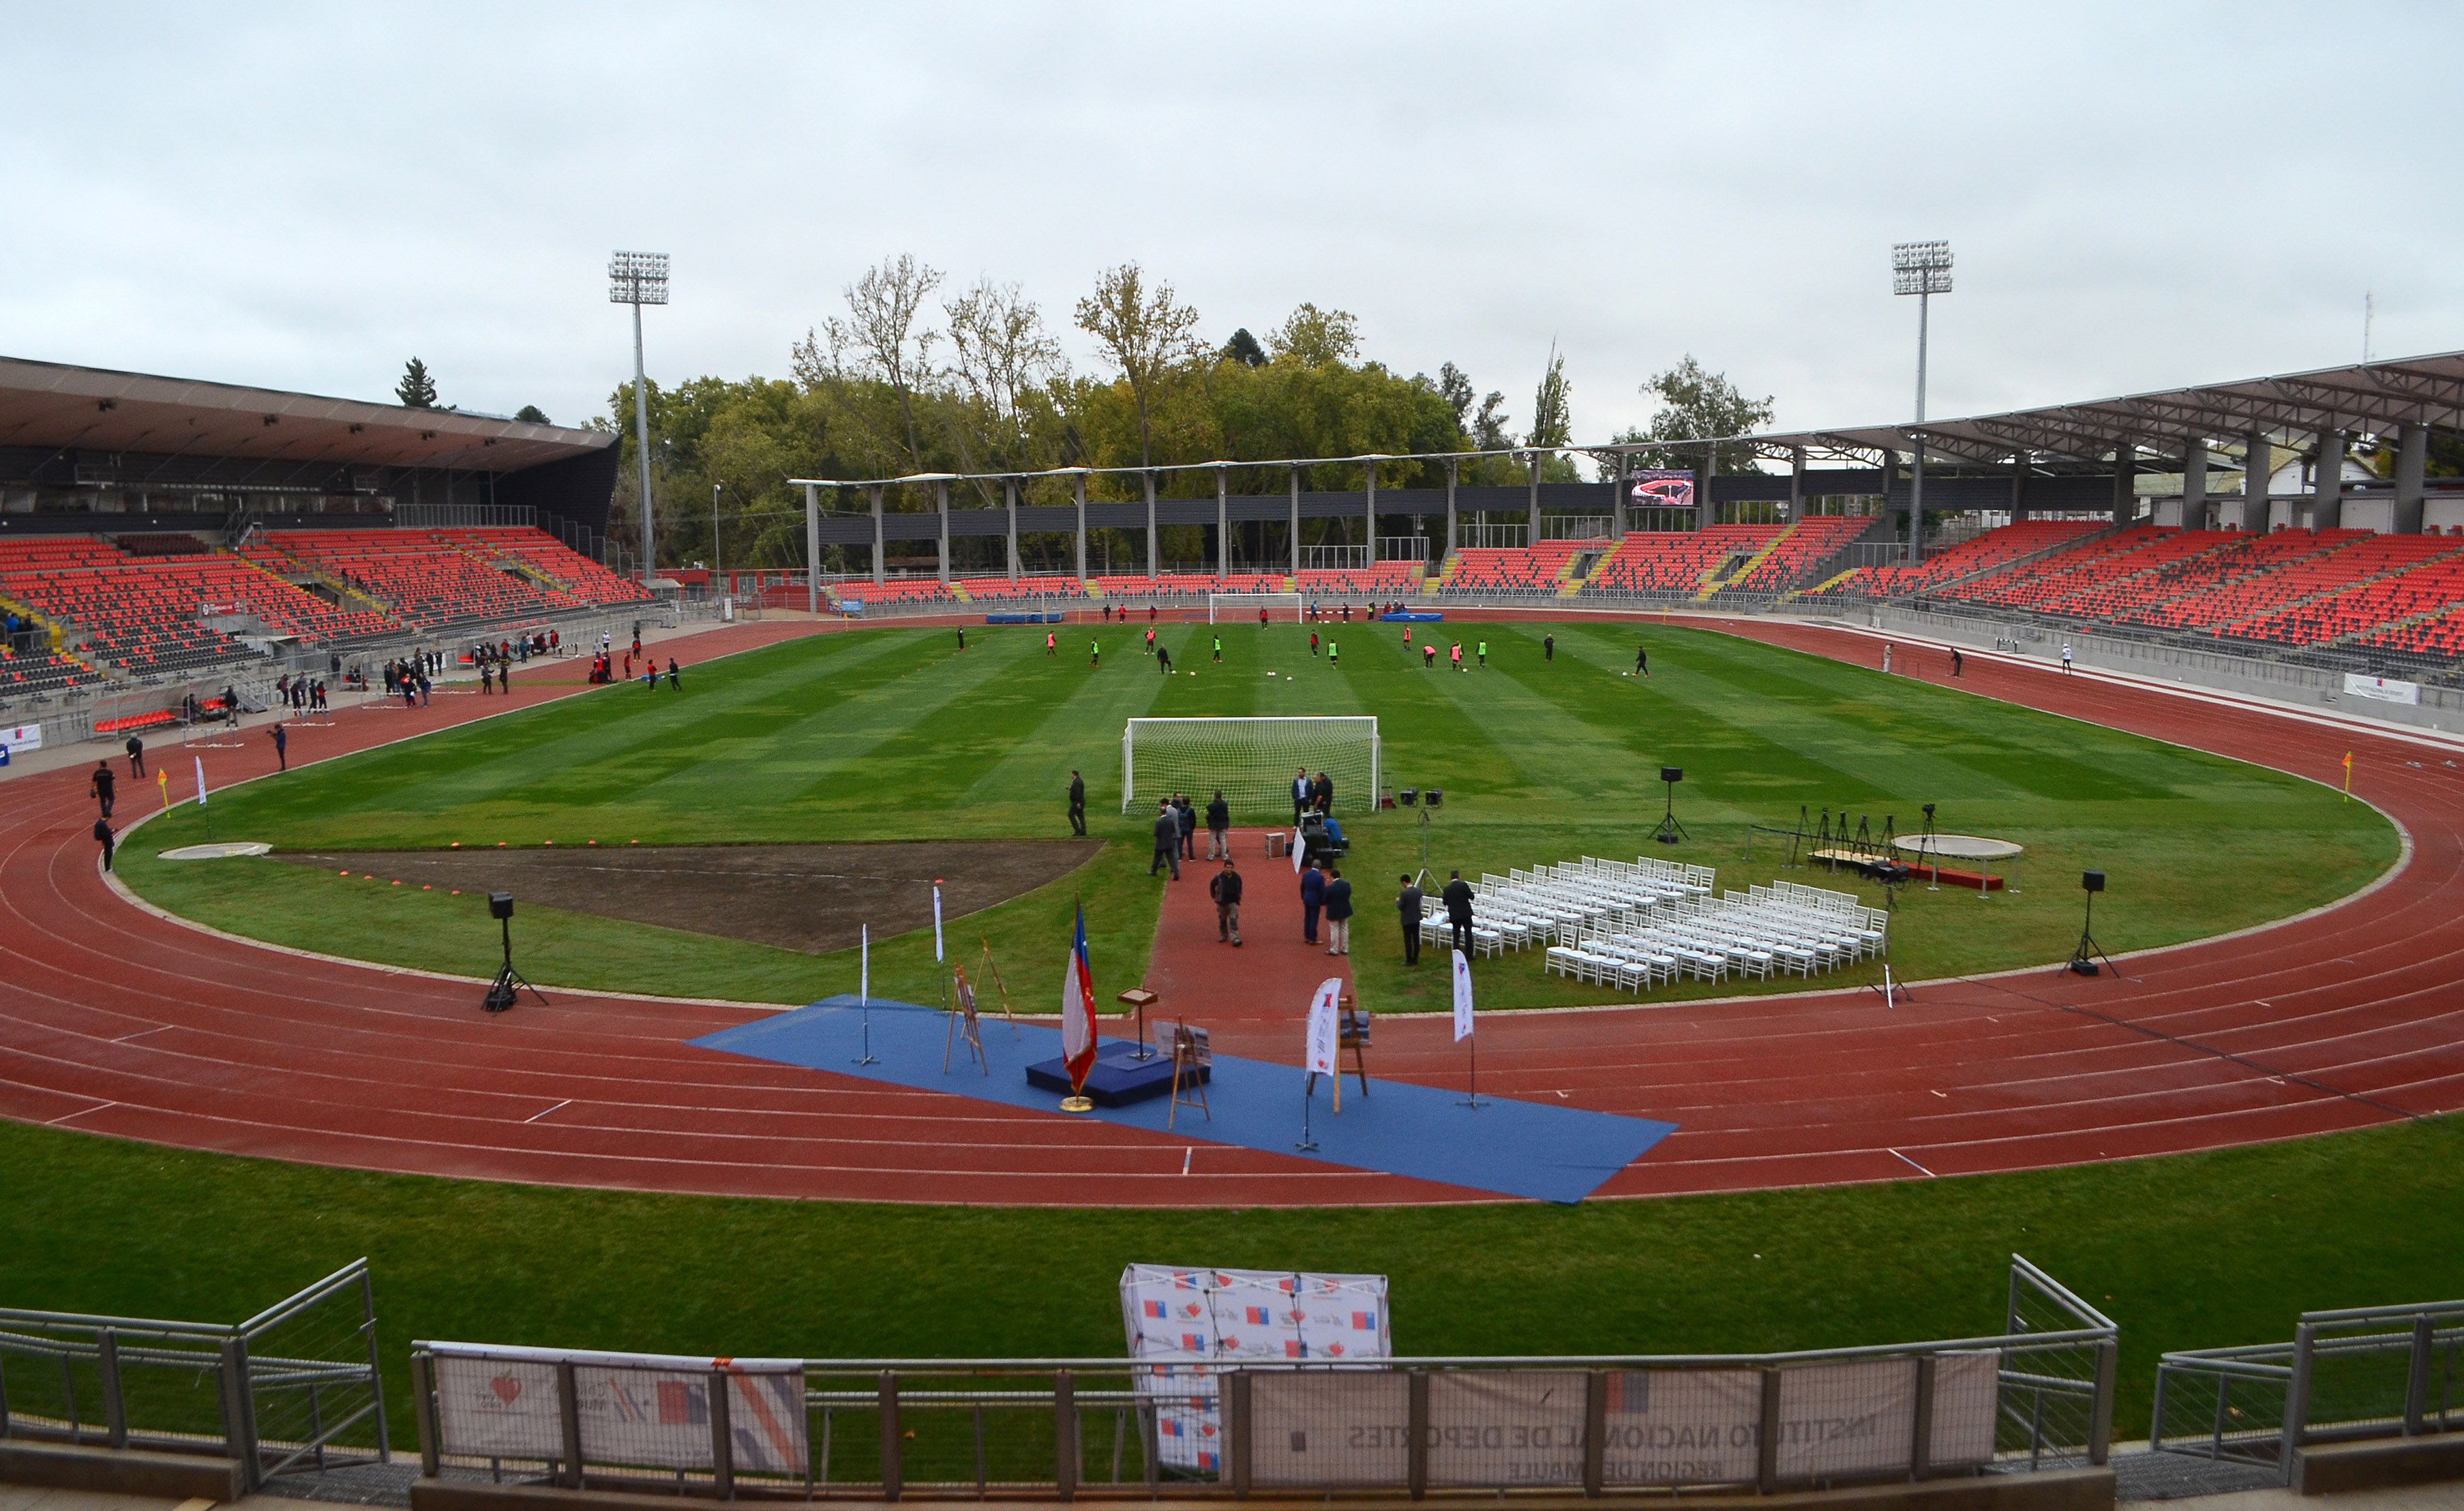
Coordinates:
120 1022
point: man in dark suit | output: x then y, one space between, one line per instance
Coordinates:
1312 898
1339 912
136 757
1188 817
1458 898
1322 793
102 837
1219 828
1077 804
1167 840
1302 790
1408 903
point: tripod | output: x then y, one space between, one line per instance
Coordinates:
2083 959
504 988
1670 831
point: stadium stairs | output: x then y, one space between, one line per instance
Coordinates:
1798 554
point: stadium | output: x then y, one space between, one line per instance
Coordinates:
757 949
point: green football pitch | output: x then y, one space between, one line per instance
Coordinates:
899 735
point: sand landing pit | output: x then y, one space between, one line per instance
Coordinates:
808 897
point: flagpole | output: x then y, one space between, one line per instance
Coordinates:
864 993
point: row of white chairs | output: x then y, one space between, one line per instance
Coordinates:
1561 901
1751 934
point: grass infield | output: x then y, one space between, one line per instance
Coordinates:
896 733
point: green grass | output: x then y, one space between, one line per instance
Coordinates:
2196 1250
896 735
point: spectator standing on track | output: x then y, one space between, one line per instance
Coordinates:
505 677
281 748
420 679
1225 889
1077 802
136 757
1312 898
1547 648
1188 817
1458 898
1887 658
1339 912
1303 791
488 676
102 786
1167 840
1956 662
1407 903
2066 658
1219 828
102 837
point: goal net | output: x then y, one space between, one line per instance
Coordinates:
1228 608
1251 760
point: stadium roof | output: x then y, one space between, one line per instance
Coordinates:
97 409
2369 397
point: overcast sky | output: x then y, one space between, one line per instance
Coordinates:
2137 194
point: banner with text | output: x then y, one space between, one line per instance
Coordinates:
2381 689
634 1409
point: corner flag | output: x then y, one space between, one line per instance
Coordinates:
1078 1010
201 778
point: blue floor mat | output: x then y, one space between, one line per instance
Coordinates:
1513 1148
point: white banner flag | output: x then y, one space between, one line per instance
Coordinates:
1462 997
937 920
864 963
201 781
1297 848
1321 1026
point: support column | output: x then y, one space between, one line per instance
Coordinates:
941 541
880 558
1078 495
1795 484
2125 480
1454 475
1616 493
1009 503
1373 514
2257 467
2411 464
2327 482
1532 533
1155 563
1890 475
812 550
2194 484
1706 513
1223 526
1916 504
1295 542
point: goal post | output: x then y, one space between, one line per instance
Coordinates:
1227 609
1251 760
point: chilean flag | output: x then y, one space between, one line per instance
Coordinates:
1078 1010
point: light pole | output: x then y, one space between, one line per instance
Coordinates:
717 561
1922 268
638 279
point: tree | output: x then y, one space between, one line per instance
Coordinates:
532 414
1148 335
1552 419
880 332
1006 361
1489 432
1314 338
1696 404
416 390
1244 348
1455 389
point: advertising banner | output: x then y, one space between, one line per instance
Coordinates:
2381 689
1660 489
20 737
642 1410
1184 1323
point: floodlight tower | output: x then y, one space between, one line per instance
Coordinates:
638 279
1922 268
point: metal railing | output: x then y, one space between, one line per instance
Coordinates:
294 1385
2037 1395
2370 1371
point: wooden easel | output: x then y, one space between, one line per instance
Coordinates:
1191 1058
992 973
963 1029
1352 1032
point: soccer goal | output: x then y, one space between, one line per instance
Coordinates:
1252 761
1231 608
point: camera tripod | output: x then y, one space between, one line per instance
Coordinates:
2083 959
509 981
